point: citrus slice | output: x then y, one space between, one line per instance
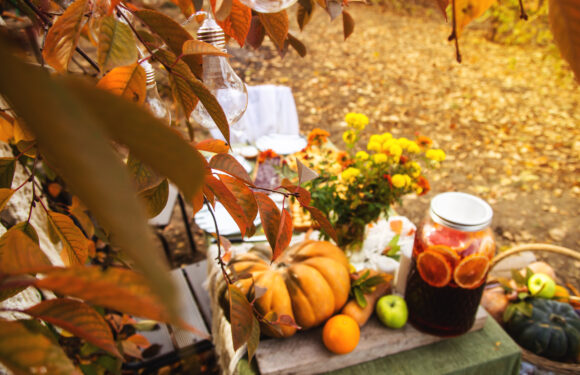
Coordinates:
449 254
471 271
448 236
434 268
487 247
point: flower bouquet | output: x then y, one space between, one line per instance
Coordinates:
355 188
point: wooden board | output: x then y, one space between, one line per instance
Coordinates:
304 353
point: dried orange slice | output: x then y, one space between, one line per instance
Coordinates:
471 271
434 268
449 254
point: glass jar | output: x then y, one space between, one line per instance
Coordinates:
451 256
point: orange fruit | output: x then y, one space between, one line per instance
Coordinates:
561 294
434 268
470 272
449 254
341 334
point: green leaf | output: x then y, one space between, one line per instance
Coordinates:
62 38
24 349
75 244
7 166
20 254
360 298
518 278
79 319
509 312
65 128
117 45
155 198
241 317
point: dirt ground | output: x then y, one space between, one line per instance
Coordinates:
508 117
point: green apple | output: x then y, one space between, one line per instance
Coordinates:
392 311
541 285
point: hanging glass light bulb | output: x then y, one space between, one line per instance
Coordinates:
153 101
268 6
220 79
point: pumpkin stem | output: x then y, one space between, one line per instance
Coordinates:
557 319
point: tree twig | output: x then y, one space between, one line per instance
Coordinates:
219 243
454 33
523 14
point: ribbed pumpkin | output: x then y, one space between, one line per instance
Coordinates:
553 330
309 281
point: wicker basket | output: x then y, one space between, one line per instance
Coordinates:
541 362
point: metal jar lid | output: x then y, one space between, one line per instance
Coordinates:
461 211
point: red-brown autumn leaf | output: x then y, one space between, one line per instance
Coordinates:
304 13
302 195
196 47
77 318
187 89
209 195
197 202
186 7
244 196
25 348
229 201
243 321
322 221
237 24
256 34
127 81
63 36
276 26
347 24
115 288
468 10
213 145
75 246
222 9
296 44
19 254
564 16
79 211
171 33
227 163
284 234
443 6
270 217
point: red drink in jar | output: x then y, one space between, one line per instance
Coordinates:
451 256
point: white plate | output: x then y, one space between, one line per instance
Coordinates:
282 144
226 224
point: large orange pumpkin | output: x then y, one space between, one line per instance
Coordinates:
309 282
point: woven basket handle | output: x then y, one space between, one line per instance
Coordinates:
535 247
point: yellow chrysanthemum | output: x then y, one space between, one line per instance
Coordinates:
435 154
415 169
362 156
349 174
374 146
413 147
398 181
403 142
385 137
380 158
395 150
375 138
349 137
356 121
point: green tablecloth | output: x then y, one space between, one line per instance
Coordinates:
489 351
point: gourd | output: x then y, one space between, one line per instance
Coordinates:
553 330
309 282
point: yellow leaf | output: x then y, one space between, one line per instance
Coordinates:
5 195
63 36
116 44
79 211
6 130
75 247
564 16
128 81
196 47
155 198
21 132
20 254
468 10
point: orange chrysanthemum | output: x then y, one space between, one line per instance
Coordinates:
317 137
268 154
424 141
